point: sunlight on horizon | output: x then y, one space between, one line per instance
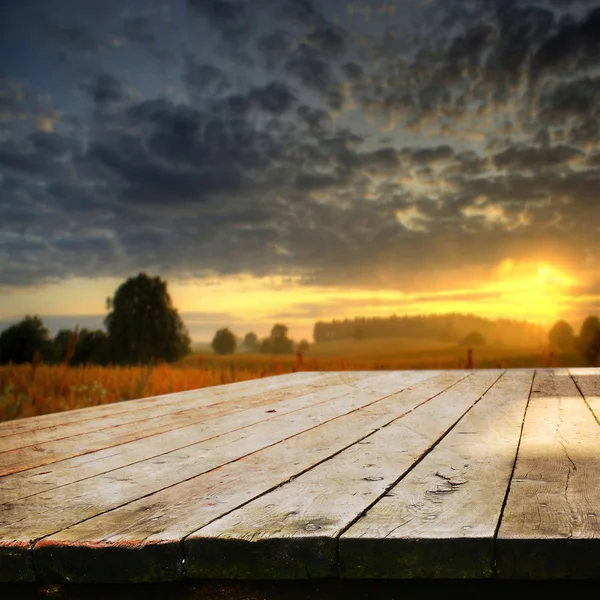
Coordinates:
535 291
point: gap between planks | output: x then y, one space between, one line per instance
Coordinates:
286 534
38 517
29 457
165 522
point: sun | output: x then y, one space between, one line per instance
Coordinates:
550 276
534 291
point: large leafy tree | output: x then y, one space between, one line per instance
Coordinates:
143 326
224 342
561 337
20 341
92 347
60 344
589 340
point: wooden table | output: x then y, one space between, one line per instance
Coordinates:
328 476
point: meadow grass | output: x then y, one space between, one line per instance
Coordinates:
29 390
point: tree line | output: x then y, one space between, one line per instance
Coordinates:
278 342
442 328
562 338
142 327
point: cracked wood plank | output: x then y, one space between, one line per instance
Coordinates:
292 531
439 521
27 520
52 451
159 521
550 525
588 382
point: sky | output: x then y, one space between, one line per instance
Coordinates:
294 160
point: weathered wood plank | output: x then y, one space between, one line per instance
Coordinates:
550 526
41 515
94 457
39 455
201 398
588 382
238 390
156 523
440 520
291 532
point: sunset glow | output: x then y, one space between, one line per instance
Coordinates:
293 161
536 292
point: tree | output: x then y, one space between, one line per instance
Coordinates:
224 342
92 347
278 342
359 334
589 340
561 337
251 341
20 341
473 339
60 343
303 346
143 326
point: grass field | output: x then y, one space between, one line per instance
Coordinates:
27 391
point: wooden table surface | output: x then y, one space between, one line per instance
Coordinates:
360 475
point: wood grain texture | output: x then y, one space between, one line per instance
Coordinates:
342 480
41 515
237 390
292 531
186 427
588 384
550 526
440 520
161 520
36 436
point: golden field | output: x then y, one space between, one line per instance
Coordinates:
27 391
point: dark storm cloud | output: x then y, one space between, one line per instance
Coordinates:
307 67
151 182
384 158
139 30
274 47
41 156
329 42
302 12
530 158
72 38
577 98
520 32
313 117
228 17
575 44
105 89
52 143
429 155
274 98
594 160
260 174
353 71
468 163
204 80
335 100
